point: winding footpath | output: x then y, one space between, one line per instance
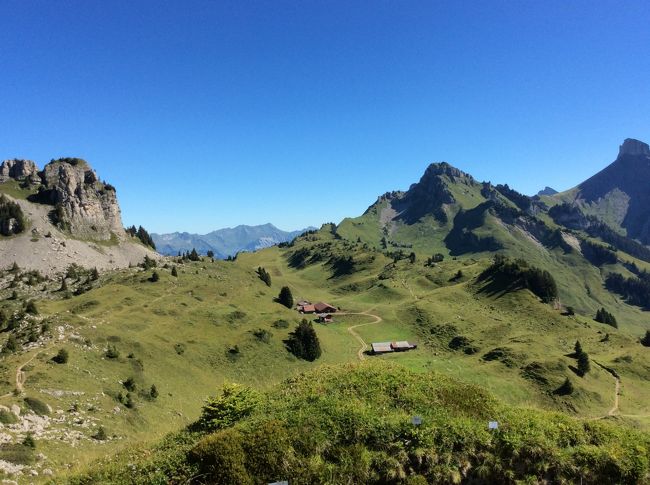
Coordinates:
351 330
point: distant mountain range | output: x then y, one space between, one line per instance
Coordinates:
224 242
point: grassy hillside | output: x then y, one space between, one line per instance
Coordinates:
217 322
354 424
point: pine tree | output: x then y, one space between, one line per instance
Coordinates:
174 271
94 274
194 256
583 364
412 257
153 392
64 285
264 275
578 348
210 254
154 277
285 297
303 342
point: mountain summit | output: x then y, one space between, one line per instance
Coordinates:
619 193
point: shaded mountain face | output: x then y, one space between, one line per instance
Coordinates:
224 242
620 193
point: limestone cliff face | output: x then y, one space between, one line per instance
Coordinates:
19 170
83 204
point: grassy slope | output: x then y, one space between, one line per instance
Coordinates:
212 307
352 424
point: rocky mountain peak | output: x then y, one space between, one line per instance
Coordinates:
19 170
634 147
84 204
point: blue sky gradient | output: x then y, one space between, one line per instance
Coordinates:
213 114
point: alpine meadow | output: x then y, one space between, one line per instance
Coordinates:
457 331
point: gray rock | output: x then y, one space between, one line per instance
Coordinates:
15 409
84 205
19 170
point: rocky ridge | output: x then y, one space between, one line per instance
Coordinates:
72 217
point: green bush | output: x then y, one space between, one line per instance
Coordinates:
7 417
38 406
61 357
234 403
222 457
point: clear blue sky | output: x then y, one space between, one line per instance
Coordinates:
212 114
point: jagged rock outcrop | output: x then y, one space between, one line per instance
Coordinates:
83 204
19 170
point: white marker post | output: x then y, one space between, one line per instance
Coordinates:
416 420
493 425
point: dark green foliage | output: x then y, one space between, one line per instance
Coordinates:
7 417
29 441
179 348
597 254
210 253
100 434
566 388
645 341
222 457
12 219
30 307
129 384
636 291
11 345
603 316
582 358
61 357
570 311
112 352
520 200
174 272
148 263
128 401
263 335
578 348
264 275
583 364
303 342
511 275
142 234
342 265
412 257
94 274
38 406
281 324
193 255
153 392
17 453
286 297
235 403
154 277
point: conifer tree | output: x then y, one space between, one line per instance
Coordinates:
285 297
583 364
578 348
174 271
303 342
